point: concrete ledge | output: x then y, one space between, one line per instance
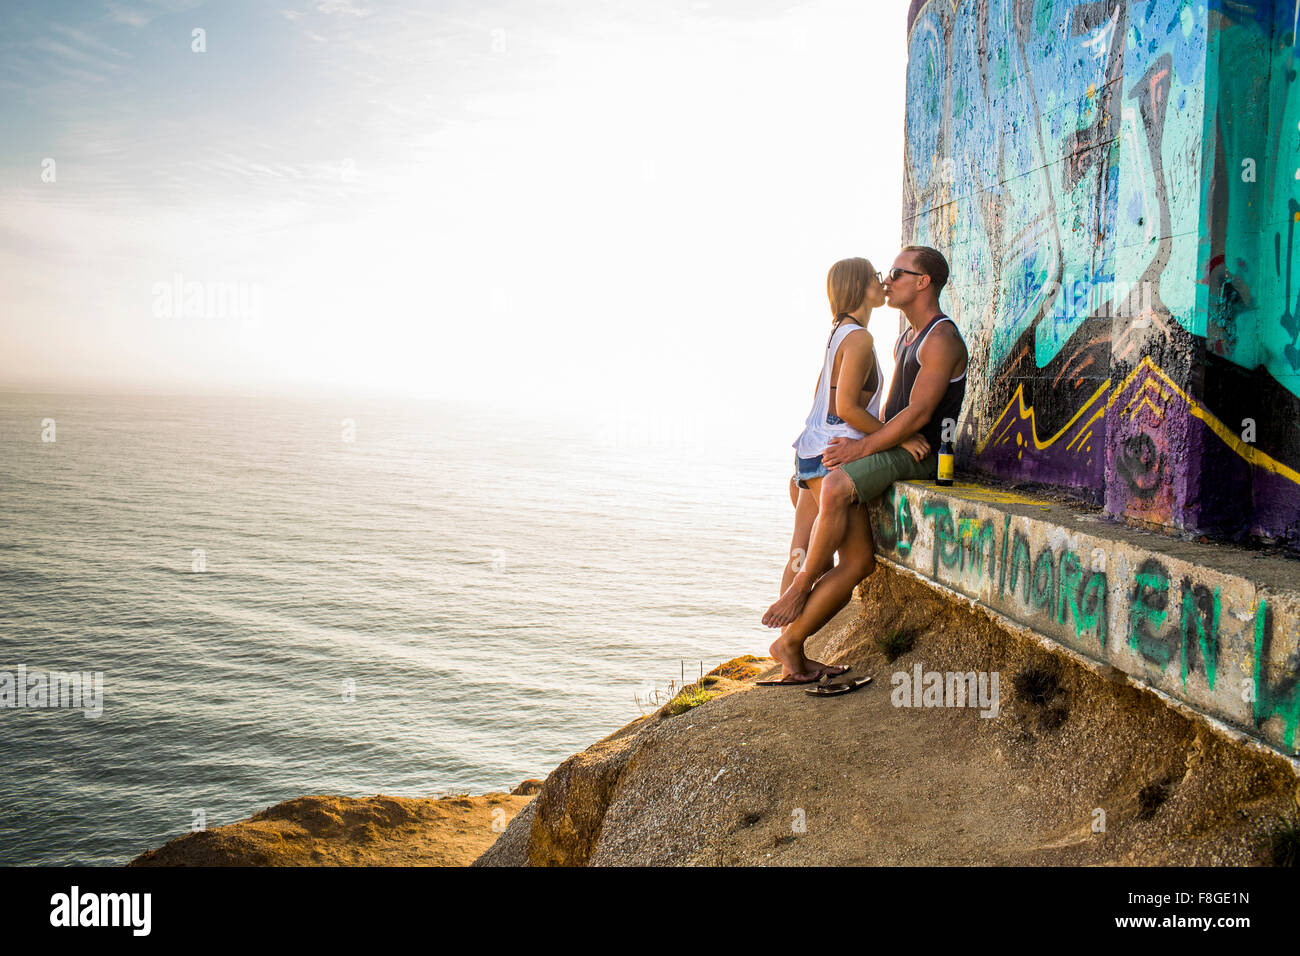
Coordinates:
1214 630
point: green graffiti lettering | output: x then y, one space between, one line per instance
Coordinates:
1194 599
1093 607
1002 565
1282 698
1071 580
1147 612
974 532
906 526
1019 560
1044 578
945 536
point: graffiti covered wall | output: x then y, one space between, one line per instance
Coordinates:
1116 185
1227 645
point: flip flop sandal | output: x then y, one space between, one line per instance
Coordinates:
847 668
825 678
784 682
843 687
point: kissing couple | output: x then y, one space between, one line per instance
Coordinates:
850 450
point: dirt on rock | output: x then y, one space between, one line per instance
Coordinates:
1075 768
347 831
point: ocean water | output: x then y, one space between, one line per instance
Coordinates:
450 601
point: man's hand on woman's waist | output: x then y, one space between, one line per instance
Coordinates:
843 450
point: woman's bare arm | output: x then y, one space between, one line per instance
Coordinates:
855 366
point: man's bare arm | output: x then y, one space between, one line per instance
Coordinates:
941 353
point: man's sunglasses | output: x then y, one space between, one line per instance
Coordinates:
895 273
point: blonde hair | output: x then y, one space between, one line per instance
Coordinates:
847 284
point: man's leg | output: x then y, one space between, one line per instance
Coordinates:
837 496
832 592
856 481
804 523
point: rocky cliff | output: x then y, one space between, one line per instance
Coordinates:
1074 765
1077 767
346 831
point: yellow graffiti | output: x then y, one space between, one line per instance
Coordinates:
1159 413
1250 453
961 489
1028 413
1142 398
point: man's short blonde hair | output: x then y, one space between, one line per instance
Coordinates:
932 263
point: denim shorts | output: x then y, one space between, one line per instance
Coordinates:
805 468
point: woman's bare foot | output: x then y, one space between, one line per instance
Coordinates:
789 605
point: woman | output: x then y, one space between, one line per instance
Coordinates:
845 405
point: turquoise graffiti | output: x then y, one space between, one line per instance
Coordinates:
1251 281
1116 184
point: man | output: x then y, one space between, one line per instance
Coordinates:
928 387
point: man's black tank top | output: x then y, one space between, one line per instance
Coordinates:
906 367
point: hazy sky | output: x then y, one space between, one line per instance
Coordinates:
527 203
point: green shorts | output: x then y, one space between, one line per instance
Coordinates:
873 474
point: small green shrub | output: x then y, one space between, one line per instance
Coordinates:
691 696
1150 798
895 644
1284 842
1036 684
1041 687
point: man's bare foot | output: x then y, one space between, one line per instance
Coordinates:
788 606
811 677
833 670
826 670
795 668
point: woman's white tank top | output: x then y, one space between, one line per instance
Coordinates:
822 423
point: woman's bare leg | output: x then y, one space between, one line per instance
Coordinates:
804 523
831 592
805 513
805 517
